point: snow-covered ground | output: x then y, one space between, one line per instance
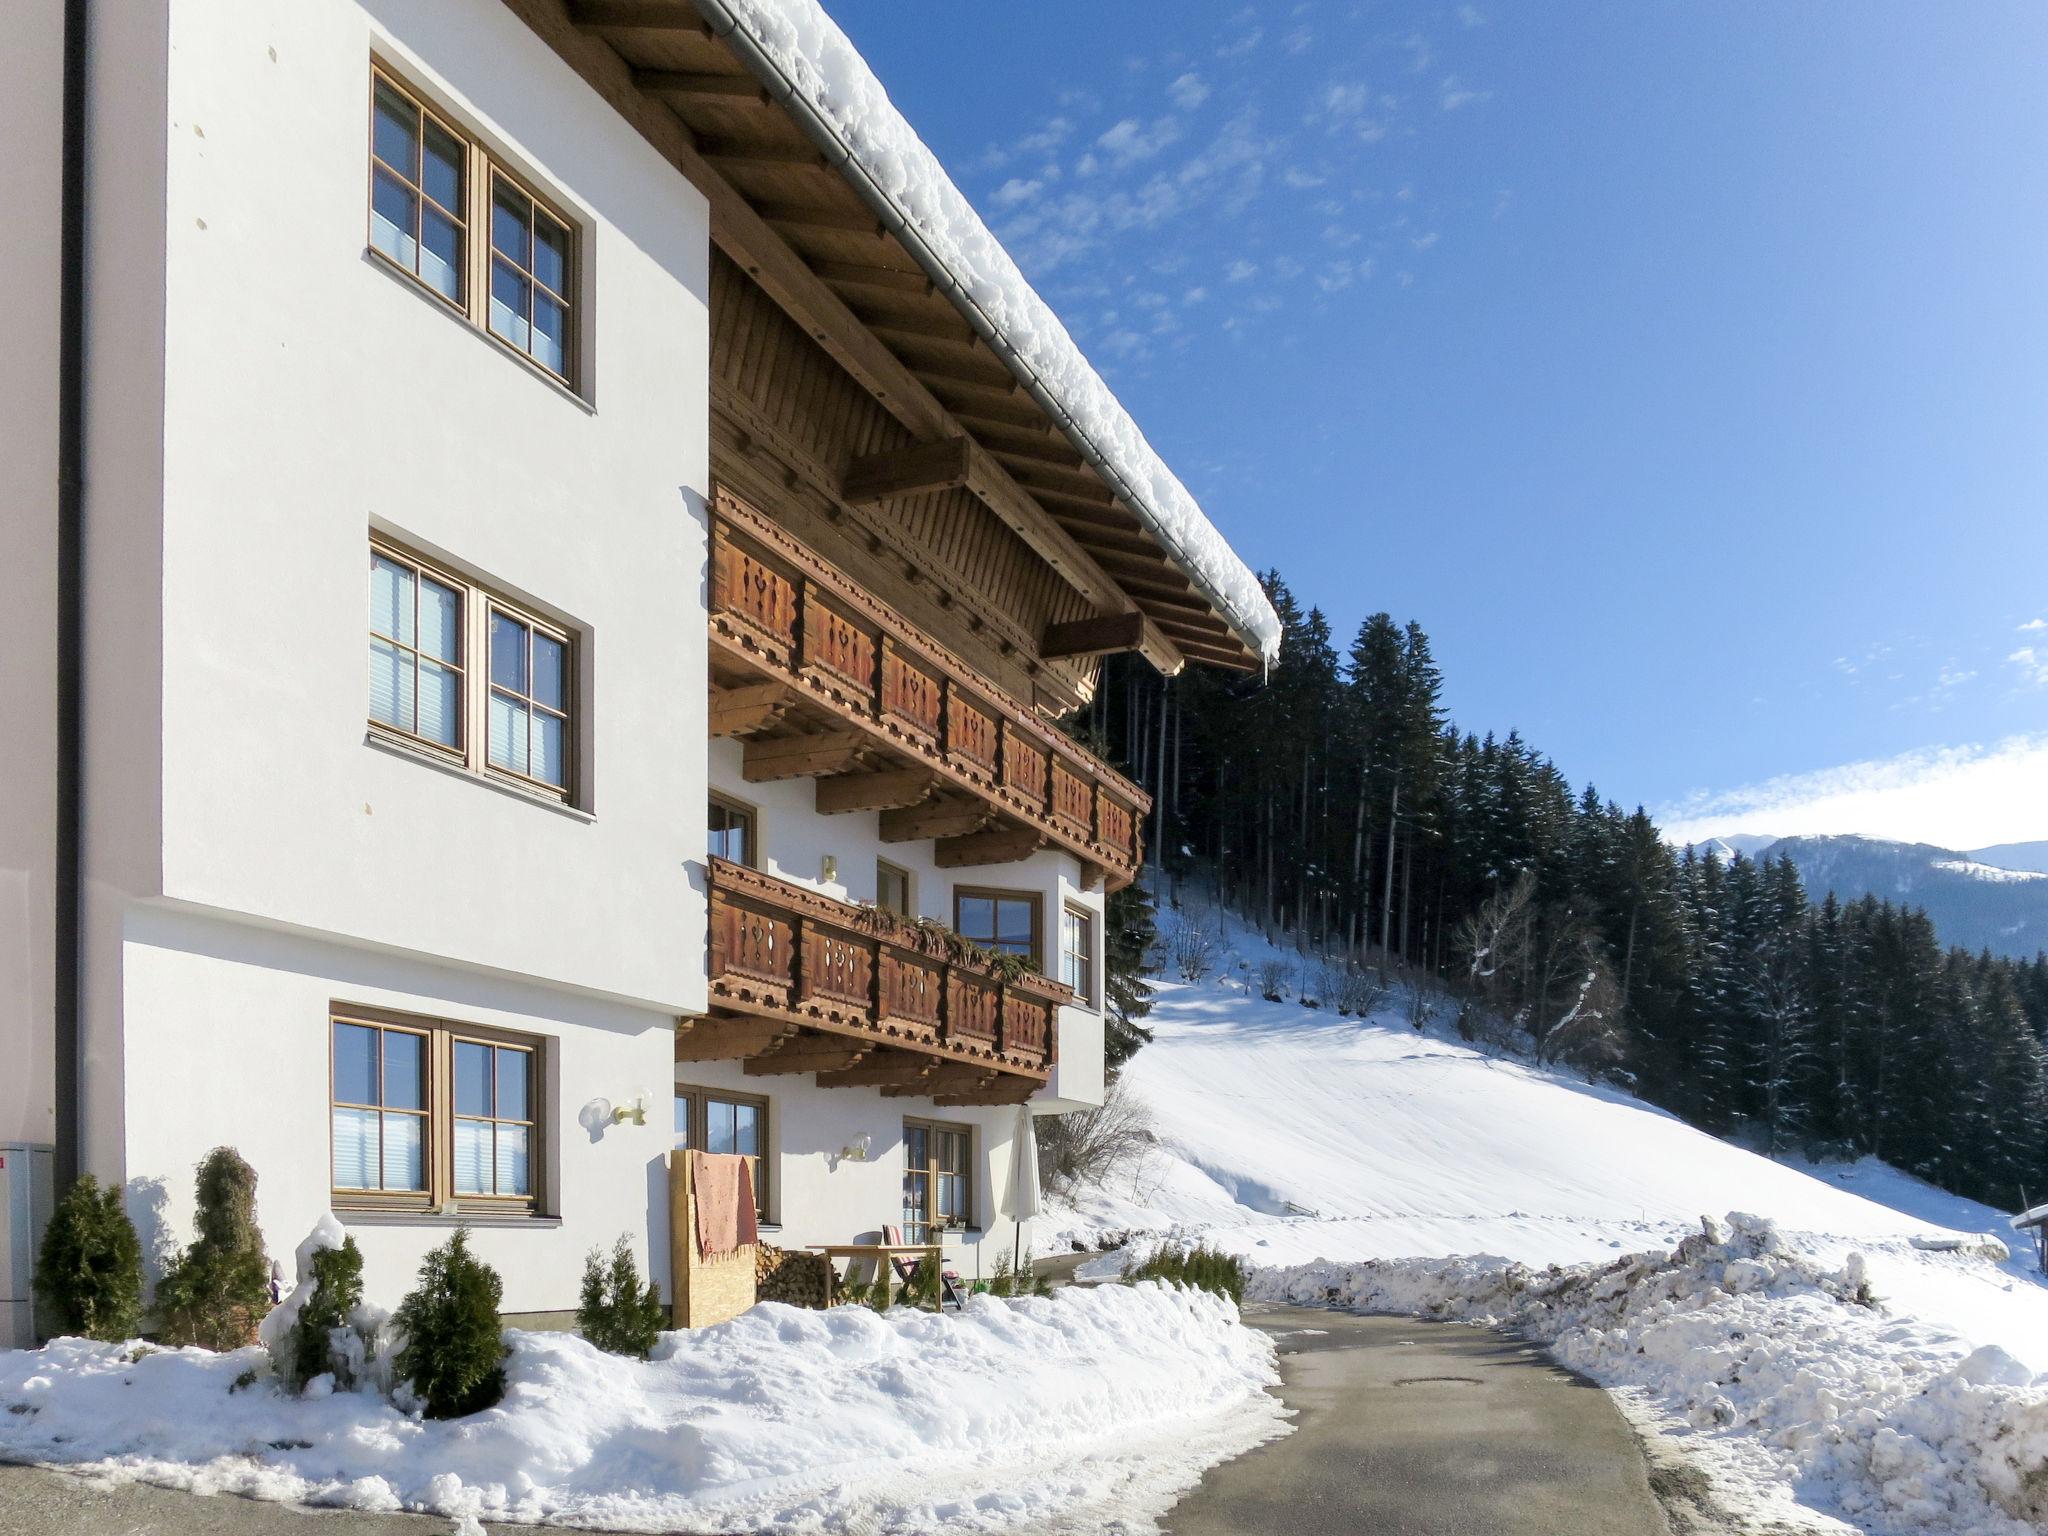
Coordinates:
1091 1410
1292 1136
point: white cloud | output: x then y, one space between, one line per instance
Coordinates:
1194 296
1298 40
1015 191
2033 624
1131 141
1424 242
1300 179
1954 797
1242 271
1242 45
2033 665
1451 95
1470 16
1055 133
1188 92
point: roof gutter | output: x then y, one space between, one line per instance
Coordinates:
822 133
67 881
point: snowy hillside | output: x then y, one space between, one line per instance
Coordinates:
1421 1172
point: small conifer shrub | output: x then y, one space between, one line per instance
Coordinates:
216 1291
617 1313
454 1354
337 1274
89 1269
1205 1269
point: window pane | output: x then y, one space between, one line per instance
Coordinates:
355 1149
442 180
440 702
1014 918
508 304
508 653
548 660
682 1120
473 1157
404 1070
440 620
512 1100
391 684
547 751
916 1147
508 733
396 136
977 919
515 1176
472 1078
405 1163
746 1133
391 599
355 1065
551 254
953 1152
441 254
550 341
511 233
391 219
718 1126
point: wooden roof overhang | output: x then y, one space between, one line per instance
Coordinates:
804 231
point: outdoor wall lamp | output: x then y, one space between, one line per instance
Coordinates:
634 1109
855 1151
829 869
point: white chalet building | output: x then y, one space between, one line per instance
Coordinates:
734 524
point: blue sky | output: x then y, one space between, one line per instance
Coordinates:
1683 369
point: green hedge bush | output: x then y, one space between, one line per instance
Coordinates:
454 1354
1205 1269
617 1313
216 1291
89 1268
337 1274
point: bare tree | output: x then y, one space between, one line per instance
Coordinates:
1089 1147
1193 948
1273 978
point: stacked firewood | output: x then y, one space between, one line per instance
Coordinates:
781 1274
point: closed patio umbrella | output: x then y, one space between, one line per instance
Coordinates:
1023 1203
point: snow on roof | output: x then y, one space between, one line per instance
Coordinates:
832 85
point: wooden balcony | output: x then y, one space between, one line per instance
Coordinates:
823 680
803 983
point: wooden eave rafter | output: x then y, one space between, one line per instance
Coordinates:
695 101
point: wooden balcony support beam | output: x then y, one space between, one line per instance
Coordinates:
891 1071
1005 845
853 274
936 818
745 710
1001 1092
948 1078
722 1039
804 757
1103 635
808 1054
877 477
888 790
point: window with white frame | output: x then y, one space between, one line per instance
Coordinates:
1077 951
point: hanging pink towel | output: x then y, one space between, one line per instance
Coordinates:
723 1186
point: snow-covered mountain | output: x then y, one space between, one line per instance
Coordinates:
1973 901
2031 856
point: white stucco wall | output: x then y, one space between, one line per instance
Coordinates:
314 394
31 125
236 1052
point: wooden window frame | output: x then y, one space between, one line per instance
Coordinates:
764 1179
438 1067
464 597
750 814
488 686
1091 965
909 907
1036 899
472 754
482 169
931 1170
496 1041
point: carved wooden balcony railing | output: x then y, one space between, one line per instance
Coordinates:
794 965
825 680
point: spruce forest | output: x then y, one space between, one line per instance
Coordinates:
1335 807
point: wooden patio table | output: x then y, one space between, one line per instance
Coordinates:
881 1253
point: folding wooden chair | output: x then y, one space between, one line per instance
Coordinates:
906 1269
